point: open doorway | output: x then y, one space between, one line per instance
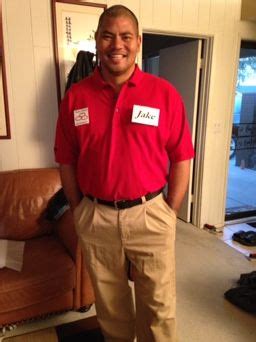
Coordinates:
185 62
241 199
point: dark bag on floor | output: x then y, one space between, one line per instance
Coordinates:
244 297
247 279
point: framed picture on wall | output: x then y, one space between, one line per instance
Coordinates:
74 26
5 132
4 112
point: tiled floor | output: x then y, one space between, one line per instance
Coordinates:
228 232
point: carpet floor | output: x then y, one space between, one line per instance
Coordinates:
84 330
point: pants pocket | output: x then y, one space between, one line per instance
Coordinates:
168 208
81 212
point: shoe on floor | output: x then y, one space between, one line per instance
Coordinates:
245 238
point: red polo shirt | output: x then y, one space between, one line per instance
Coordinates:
121 144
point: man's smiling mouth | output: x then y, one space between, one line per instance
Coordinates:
116 57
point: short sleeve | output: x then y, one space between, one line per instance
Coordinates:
179 145
66 146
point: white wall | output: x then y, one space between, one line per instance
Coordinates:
32 89
31 84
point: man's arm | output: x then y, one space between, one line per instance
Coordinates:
70 185
178 183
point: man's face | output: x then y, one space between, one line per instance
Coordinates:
117 44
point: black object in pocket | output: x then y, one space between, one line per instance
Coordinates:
57 205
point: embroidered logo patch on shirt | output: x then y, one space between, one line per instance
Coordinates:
145 115
81 117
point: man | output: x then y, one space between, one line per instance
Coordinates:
117 131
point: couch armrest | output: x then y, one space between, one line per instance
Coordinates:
65 230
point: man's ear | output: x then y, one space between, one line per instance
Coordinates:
96 38
139 42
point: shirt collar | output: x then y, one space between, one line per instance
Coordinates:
136 76
133 81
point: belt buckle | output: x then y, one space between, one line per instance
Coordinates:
119 202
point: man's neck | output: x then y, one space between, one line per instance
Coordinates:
116 81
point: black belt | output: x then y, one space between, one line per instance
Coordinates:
124 204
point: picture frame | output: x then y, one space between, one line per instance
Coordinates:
74 26
5 131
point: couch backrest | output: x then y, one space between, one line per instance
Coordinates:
24 195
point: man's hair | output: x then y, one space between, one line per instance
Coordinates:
117 11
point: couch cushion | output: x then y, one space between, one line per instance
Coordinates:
23 198
48 271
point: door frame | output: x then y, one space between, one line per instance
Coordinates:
201 121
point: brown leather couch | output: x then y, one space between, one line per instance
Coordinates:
53 278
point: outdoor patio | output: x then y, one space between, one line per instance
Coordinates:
241 193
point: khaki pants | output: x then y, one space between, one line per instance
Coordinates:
145 235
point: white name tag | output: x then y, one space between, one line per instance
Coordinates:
81 117
145 115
